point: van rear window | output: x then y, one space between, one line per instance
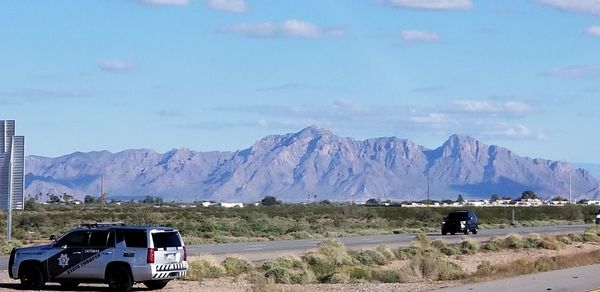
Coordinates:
166 239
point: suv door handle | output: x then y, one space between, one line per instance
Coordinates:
107 252
76 252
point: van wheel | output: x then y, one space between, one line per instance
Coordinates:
474 231
69 285
31 277
155 285
119 278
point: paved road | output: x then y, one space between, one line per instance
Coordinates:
257 251
574 279
260 251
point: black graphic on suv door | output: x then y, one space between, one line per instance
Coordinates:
70 254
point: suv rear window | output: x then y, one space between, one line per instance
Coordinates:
166 239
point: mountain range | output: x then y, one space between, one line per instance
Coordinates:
313 164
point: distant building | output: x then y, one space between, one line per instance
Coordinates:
231 205
12 166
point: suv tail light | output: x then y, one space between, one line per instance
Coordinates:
184 254
150 258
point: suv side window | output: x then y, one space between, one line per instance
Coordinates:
133 238
76 238
99 238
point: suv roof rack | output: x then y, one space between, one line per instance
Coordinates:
101 224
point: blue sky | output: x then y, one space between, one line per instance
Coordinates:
83 75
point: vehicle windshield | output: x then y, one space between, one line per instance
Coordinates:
457 216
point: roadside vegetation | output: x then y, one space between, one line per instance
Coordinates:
423 261
279 221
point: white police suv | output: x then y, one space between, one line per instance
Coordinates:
111 253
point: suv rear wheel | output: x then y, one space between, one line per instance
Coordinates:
31 277
119 278
155 285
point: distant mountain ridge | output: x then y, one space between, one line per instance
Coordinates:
307 165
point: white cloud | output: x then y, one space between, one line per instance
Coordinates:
431 118
165 2
593 30
582 6
492 107
574 72
419 36
432 4
115 66
516 132
236 6
288 29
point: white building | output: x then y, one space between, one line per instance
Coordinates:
12 166
231 205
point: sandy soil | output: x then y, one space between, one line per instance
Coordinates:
468 262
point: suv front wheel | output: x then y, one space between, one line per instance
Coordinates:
31 277
119 278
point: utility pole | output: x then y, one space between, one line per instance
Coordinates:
10 195
428 189
570 189
102 194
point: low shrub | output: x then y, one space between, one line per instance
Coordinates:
288 270
386 252
469 246
335 252
422 241
514 241
450 250
321 267
550 242
408 253
532 241
361 273
388 276
259 283
494 244
369 257
7 247
199 270
234 266
339 278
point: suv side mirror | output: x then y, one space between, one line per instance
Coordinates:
52 237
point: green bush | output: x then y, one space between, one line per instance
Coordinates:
321 267
408 253
339 278
494 244
335 252
361 273
469 246
514 241
199 270
234 266
388 276
369 257
288 270
7 247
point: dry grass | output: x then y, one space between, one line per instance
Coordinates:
488 271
